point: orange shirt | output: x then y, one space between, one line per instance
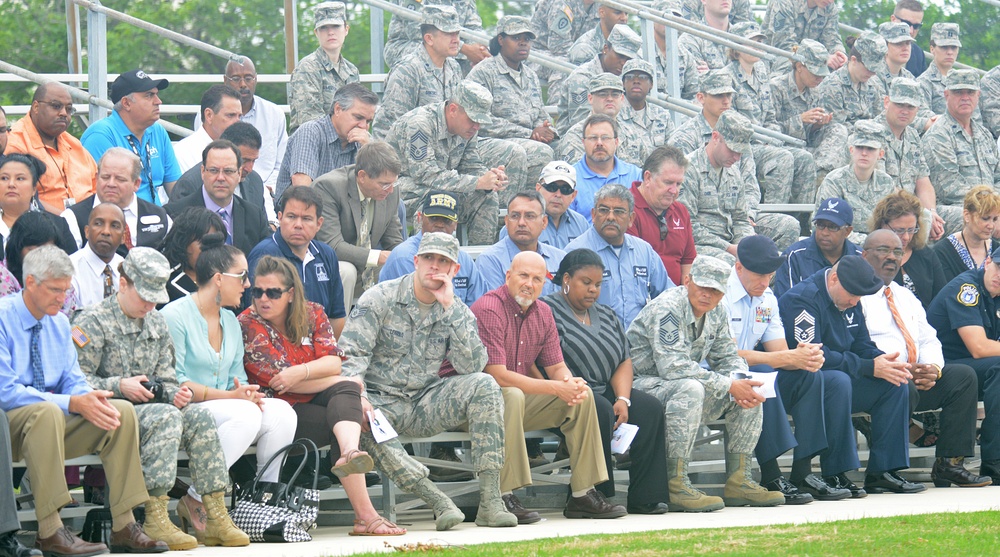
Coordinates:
70 171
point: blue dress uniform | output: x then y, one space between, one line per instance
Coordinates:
468 283
809 315
965 302
494 262
633 273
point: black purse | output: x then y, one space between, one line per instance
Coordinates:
279 511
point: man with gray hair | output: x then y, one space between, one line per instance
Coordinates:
329 142
55 415
633 272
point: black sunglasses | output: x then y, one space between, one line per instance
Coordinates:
560 187
914 26
271 293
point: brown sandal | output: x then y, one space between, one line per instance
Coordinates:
355 462
371 528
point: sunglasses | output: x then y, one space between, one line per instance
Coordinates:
243 275
560 187
271 293
914 26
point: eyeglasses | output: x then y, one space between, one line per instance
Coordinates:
59 107
236 79
244 275
605 211
601 138
886 250
903 231
227 171
271 293
914 26
824 225
560 187
526 216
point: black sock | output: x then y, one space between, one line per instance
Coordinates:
769 471
801 468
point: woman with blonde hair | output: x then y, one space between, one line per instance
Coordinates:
969 247
919 271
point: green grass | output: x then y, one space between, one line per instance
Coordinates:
950 534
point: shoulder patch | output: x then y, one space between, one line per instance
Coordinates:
419 143
669 330
968 295
358 312
79 337
805 327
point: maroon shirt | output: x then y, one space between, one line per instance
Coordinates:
677 248
514 338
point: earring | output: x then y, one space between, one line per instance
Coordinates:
218 298
565 289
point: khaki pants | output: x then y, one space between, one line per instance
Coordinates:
45 437
578 423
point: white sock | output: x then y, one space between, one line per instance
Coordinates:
506 493
582 492
193 494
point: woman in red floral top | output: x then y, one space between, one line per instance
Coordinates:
291 352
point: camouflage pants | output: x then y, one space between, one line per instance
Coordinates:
828 144
686 406
478 211
717 253
537 155
775 172
163 429
953 219
783 229
470 402
510 154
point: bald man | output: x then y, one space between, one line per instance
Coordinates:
97 262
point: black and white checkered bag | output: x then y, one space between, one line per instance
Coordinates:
276 511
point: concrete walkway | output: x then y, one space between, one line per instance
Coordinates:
335 541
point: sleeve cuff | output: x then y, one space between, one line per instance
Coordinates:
372 258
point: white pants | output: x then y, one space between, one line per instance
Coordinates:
348 278
242 423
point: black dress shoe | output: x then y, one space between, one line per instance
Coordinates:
10 546
592 505
820 490
793 495
891 482
991 468
514 507
843 482
648 508
947 471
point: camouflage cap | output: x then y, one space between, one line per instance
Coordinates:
638 65
895 32
814 56
443 18
736 129
515 25
329 13
439 203
439 243
672 7
945 34
149 271
476 100
717 82
904 90
961 80
747 30
710 272
873 49
624 41
605 81
868 133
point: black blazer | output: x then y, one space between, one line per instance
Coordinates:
249 223
151 221
190 183
926 274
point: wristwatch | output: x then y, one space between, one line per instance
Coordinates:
628 403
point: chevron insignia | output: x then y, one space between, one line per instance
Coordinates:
669 330
805 327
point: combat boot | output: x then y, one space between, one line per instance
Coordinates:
446 514
741 489
492 511
220 529
158 526
683 496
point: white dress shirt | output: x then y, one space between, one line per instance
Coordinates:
886 334
188 150
270 121
88 280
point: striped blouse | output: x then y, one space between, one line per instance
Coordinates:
593 351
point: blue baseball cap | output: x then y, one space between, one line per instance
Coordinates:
836 210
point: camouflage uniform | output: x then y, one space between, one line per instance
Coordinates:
556 24
398 351
895 33
687 73
434 159
668 343
932 80
719 206
904 158
704 50
111 346
789 21
694 10
404 35
588 45
649 127
989 100
415 82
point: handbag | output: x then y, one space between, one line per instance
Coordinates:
278 511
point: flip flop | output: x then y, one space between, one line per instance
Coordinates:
371 528
355 462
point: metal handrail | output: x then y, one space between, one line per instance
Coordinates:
856 31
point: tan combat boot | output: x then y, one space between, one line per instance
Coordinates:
158 526
220 529
446 514
683 496
492 510
741 489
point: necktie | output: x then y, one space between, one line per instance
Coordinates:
36 359
911 347
229 232
109 284
370 275
128 238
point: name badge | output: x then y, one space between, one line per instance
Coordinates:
606 273
460 282
640 271
149 219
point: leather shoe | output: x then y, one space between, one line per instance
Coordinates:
991 468
65 544
592 505
843 482
10 546
793 496
820 490
947 471
131 539
892 482
514 507
649 508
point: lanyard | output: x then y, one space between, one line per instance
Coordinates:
133 142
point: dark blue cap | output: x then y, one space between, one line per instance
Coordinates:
759 254
857 276
835 210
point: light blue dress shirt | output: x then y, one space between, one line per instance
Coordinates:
468 283
495 261
751 320
571 226
196 360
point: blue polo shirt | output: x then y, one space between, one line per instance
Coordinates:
633 273
154 150
495 261
320 272
571 225
587 183
468 283
804 258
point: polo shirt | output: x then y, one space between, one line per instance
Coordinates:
320 272
70 172
677 247
587 183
